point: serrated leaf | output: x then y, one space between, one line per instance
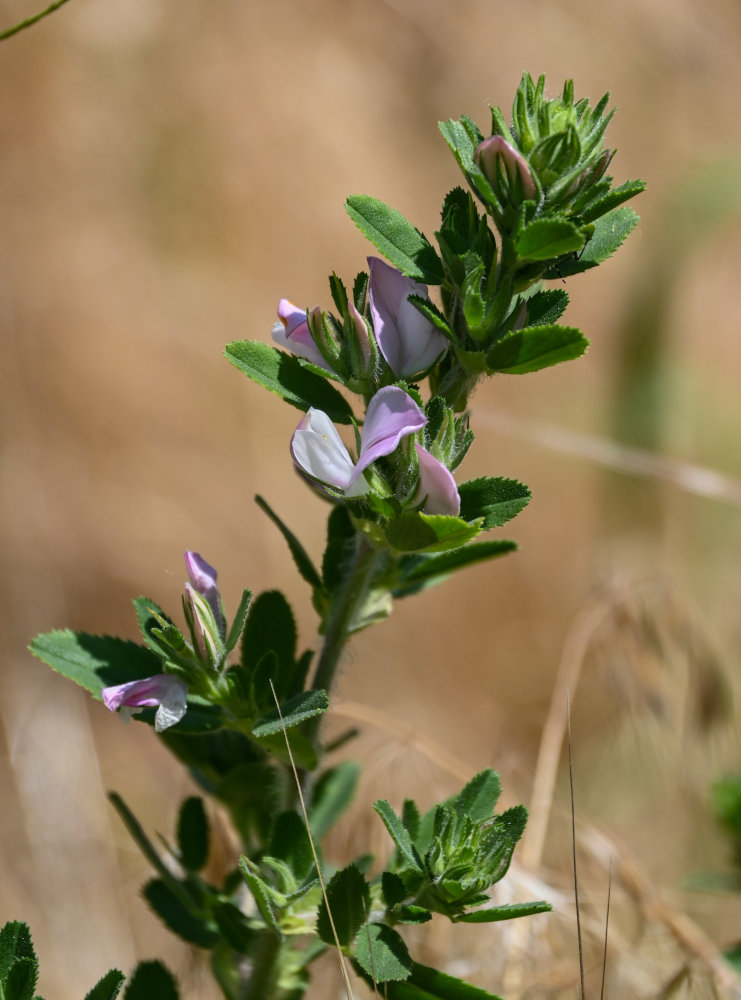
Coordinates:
546 238
234 926
381 953
611 200
546 307
20 982
304 752
295 711
347 891
180 918
193 834
428 570
108 987
240 617
460 142
95 661
301 557
393 889
413 914
333 793
430 984
398 240
610 231
15 944
151 980
399 834
415 532
508 912
290 842
479 796
282 374
495 500
261 895
535 348
340 539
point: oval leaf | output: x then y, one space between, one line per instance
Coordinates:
535 348
397 239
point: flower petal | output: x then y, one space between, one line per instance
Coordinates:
163 690
392 414
408 341
436 482
488 155
203 578
317 450
292 332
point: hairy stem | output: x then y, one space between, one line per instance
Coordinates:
264 970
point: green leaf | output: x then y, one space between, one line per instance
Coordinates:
399 834
508 912
535 348
261 895
290 842
382 954
346 893
415 532
192 834
545 308
460 142
422 571
546 238
95 661
271 628
610 231
151 980
300 556
181 919
333 793
430 984
20 982
340 541
282 374
304 752
295 711
397 239
393 889
234 926
479 796
15 944
495 500
108 987
615 197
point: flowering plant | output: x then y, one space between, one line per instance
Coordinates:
234 699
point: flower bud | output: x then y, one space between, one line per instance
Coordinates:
163 690
292 332
497 160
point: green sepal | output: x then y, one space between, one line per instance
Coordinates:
296 710
507 912
397 239
399 834
610 231
108 987
611 200
549 237
193 834
535 348
151 620
495 500
151 979
430 311
381 953
347 891
282 374
179 917
416 532
301 557
479 797
332 794
419 572
260 893
240 617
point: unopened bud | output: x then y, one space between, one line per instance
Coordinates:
496 156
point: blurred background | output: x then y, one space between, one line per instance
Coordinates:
169 171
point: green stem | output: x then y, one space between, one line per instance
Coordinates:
264 969
9 32
346 602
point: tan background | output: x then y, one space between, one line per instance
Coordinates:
169 171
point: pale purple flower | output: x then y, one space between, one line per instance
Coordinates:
163 690
203 580
408 340
317 448
292 332
496 151
436 483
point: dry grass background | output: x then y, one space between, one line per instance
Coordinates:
169 171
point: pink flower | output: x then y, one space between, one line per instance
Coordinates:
163 690
496 153
436 483
292 332
203 580
317 448
407 339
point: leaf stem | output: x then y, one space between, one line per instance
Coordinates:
9 32
264 969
